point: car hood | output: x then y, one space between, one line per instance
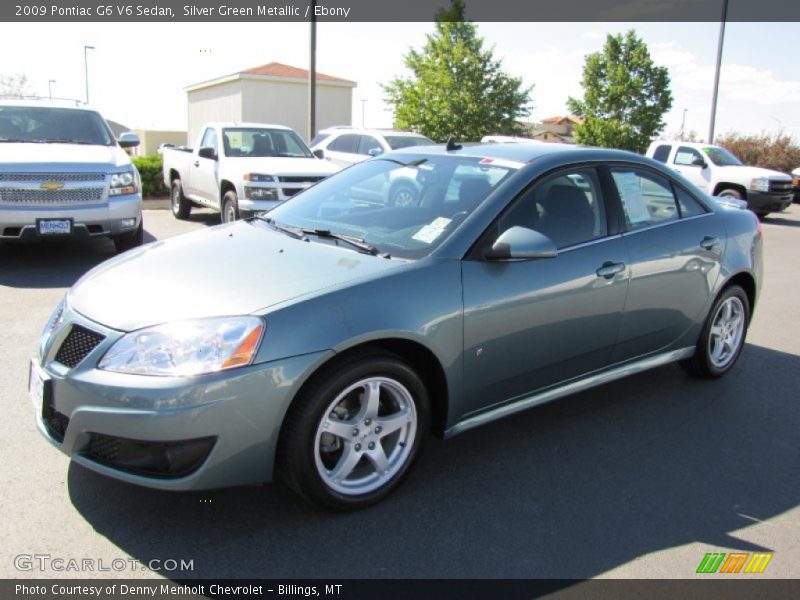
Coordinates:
232 269
67 157
282 166
746 172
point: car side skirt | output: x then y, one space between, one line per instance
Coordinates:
570 388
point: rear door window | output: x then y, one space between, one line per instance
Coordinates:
647 198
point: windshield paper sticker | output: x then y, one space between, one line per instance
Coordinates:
499 162
428 233
632 199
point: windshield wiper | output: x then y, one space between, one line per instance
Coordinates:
66 141
360 244
292 232
13 140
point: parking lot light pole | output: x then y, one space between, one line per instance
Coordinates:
50 83
312 76
86 68
716 72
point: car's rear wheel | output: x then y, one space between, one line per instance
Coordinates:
180 204
230 207
723 335
353 435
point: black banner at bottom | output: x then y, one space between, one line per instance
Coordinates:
718 587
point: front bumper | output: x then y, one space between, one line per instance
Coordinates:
240 411
248 208
766 202
19 223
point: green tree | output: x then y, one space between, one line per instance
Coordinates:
457 87
14 85
625 96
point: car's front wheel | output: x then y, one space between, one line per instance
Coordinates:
230 207
353 435
723 335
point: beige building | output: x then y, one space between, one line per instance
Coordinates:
272 93
151 139
560 129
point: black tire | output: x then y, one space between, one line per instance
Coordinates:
300 455
180 204
403 195
128 241
230 208
702 363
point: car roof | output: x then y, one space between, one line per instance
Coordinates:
45 103
523 153
696 145
383 132
226 124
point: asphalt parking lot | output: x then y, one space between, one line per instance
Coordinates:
636 479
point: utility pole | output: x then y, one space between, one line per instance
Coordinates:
50 83
683 122
716 72
363 119
86 68
312 76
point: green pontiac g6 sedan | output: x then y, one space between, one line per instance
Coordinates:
325 339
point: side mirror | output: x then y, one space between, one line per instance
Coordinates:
128 140
207 152
319 153
521 243
375 151
699 162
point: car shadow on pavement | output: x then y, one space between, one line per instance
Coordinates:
781 221
54 264
571 489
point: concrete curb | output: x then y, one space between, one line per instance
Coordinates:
156 203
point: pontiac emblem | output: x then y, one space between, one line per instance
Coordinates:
52 185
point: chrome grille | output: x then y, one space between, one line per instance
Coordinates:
780 186
38 197
77 345
300 178
62 177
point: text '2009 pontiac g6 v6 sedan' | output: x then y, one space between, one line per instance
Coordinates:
323 340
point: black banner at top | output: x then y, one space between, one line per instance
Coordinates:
396 10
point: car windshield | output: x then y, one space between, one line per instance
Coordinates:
48 125
404 206
721 157
407 141
258 142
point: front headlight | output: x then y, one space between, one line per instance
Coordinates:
53 323
123 183
258 178
186 348
760 184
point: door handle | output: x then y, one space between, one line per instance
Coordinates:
609 269
709 242
197 163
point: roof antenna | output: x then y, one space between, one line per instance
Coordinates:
451 144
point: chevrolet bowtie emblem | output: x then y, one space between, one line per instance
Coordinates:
52 185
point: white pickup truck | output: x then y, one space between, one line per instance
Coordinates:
239 169
719 173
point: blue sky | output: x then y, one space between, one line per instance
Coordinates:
138 70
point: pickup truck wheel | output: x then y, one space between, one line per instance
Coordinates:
403 196
181 207
127 241
723 335
730 193
230 207
353 434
